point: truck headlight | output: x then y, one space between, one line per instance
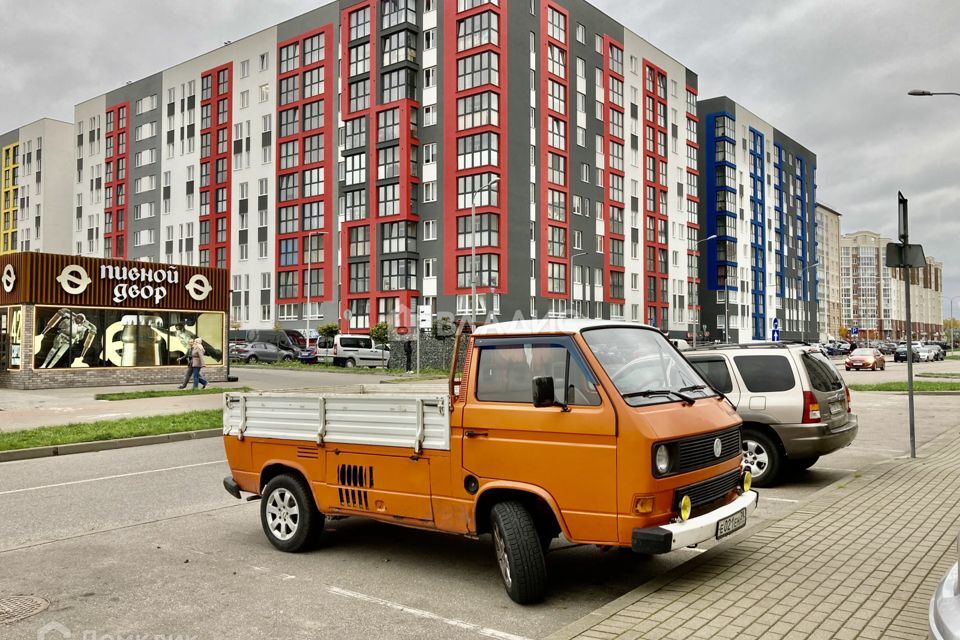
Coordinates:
662 459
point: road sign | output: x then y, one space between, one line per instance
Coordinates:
910 255
776 335
776 323
424 316
902 217
854 331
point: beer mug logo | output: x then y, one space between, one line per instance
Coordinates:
74 279
198 287
9 278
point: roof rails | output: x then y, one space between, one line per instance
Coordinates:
780 344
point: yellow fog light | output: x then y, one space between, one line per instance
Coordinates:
643 504
746 481
685 507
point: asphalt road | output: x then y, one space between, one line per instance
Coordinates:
145 541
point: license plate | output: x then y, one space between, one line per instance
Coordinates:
836 408
732 523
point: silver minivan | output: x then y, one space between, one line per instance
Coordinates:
794 404
354 351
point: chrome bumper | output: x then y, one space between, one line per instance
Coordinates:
690 532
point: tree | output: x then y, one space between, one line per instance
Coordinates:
328 330
380 334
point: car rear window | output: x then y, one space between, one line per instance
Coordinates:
823 375
765 374
716 372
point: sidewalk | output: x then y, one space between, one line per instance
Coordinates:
861 559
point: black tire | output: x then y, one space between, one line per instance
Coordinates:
517 548
802 464
350 363
762 456
287 531
252 359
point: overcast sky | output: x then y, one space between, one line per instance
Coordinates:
833 75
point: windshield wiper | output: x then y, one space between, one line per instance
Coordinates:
694 387
660 392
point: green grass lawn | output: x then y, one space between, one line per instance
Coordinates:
165 393
111 429
918 385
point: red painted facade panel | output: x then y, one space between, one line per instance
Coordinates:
216 142
116 210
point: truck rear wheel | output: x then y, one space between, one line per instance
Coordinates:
517 545
289 515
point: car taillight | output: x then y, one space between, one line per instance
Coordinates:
846 390
811 408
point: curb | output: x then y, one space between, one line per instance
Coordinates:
597 616
105 445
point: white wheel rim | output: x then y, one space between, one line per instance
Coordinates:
755 458
283 514
502 559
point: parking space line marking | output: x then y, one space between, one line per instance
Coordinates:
779 499
834 469
114 477
420 613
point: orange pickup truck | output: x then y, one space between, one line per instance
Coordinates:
596 430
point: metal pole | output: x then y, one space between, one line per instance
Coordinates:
913 438
306 335
726 316
473 260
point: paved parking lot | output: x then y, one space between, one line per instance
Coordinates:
146 541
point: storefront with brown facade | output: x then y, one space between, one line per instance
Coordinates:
69 321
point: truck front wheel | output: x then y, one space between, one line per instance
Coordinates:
516 543
289 515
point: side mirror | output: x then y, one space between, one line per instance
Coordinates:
543 393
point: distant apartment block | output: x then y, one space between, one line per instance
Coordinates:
830 317
36 187
758 229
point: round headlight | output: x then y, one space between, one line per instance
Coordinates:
747 481
685 507
662 459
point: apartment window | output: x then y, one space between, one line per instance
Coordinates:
556 278
429 77
289 187
581 34
429 230
289 122
398 237
359 277
399 84
359 59
478 150
556 96
313 149
355 169
353 205
289 90
430 39
556 242
359 24
313 49
557 133
388 163
556 61
359 93
429 115
355 133
477 30
313 115
289 154
399 47
556 169
556 205
312 183
287 220
397 275
467 186
396 12
556 24
487 269
616 92
430 191
616 60
477 70
290 57
264 93
487 232
312 83
478 110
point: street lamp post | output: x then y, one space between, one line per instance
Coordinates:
473 248
308 283
572 257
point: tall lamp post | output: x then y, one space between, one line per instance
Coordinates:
696 324
952 322
308 281
473 248
572 257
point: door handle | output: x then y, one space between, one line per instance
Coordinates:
475 434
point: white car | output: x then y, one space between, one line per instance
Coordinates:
945 606
926 354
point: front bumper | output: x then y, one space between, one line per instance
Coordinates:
232 487
677 535
944 618
809 440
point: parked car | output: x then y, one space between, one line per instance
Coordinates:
296 338
865 359
794 404
900 355
261 352
926 354
357 351
843 348
308 356
887 348
944 618
939 352
280 339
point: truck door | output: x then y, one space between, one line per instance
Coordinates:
570 452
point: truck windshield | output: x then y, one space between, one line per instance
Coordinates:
644 367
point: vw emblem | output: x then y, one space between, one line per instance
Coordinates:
9 278
717 448
198 287
74 279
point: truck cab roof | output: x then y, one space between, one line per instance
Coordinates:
565 326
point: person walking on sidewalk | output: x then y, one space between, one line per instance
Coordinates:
187 358
196 360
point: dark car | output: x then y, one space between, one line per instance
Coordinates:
296 338
887 348
900 355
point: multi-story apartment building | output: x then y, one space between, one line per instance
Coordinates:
830 318
759 227
873 295
334 161
36 165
